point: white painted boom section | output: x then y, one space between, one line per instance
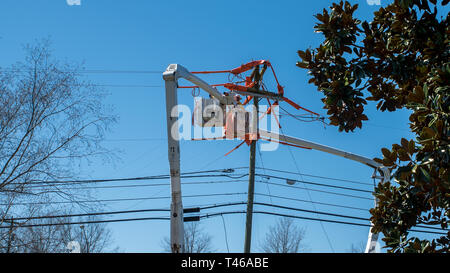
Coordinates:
320 147
373 237
180 72
176 207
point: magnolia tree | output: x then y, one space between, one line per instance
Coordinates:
400 60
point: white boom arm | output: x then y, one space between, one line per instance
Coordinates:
373 237
171 75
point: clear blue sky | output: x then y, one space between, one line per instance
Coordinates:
201 35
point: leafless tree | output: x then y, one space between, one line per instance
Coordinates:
56 236
196 240
51 120
283 237
359 248
50 117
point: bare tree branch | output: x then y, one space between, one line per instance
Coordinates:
283 237
195 240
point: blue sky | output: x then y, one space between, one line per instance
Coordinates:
201 35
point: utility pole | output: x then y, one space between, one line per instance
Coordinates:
251 174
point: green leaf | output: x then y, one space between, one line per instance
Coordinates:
425 90
302 64
425 174
386 152
411 147
301 54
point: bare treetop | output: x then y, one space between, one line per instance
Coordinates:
283 237
50 120
196 240
49 117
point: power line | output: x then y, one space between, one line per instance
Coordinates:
291 199
321 191
264 170
226 236
36 184
198 183
301 210
191 196
119 212
307 201
84 214
127 85
312 211
89 222
202 182
142 185
200 208
205 216
113 212
309 196
307 218
285 207
127 199
155 177
322 119
332 214
93 71
229 170
134 139
300 118
317 184
317 176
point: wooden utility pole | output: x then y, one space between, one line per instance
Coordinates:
251 175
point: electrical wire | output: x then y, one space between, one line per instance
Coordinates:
309 211
125 199
264 170
315 183
321 191
309 196
201 208
305 218
307 201
44 184
134 139
157 177
127 85
226 236
317 176
88 222
166 176
83 214
299 118
203 216
142 185
94 71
